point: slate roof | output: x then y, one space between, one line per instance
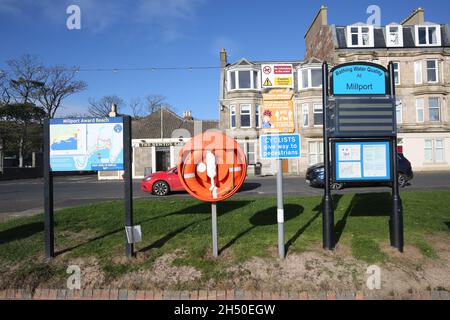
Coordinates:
340 33
150 127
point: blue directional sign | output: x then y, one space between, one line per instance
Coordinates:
359 161
280 146
360 78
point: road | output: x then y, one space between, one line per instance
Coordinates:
25 197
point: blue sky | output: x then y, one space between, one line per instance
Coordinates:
174 33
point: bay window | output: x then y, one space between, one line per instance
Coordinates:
232 116
432 71
245 115
310 78
434 109
318 117
243 79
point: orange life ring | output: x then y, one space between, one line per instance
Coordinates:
212 166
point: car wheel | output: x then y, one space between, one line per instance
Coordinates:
402 180
336 186
161 188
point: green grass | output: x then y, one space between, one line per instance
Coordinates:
247 228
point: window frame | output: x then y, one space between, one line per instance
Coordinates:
420 107
436 70
433 150
399 82
400 36
308 69
249 106
438 109
418 66
233 114
399 106
314 112
319 156
360 37
305 107
258 116
253 86
427 35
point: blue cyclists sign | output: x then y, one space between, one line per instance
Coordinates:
280 146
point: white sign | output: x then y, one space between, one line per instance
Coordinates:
277 76
375 160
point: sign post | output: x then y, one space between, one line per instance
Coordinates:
360 123
328 210
279 147
87 144
48 196
128 195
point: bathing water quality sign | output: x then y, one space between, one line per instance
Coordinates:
360 78
86 144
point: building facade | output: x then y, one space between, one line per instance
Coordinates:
420 52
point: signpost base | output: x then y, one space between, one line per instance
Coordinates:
214 229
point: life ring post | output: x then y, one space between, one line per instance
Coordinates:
214 228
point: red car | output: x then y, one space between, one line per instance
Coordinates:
162 182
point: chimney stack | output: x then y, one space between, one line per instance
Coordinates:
187 115
223 58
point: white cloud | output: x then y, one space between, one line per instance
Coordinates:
167 17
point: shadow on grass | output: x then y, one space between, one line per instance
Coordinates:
20 232
249 186
201 208
318 211
365 205
266 217
448 225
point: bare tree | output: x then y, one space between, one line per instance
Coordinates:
5 91
155 102
102 107
27 77
60 83
137 109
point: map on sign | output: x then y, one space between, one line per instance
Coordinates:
86 144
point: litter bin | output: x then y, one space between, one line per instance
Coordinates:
258 167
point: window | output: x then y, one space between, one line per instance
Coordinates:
399 109
394 36
433 109
360 36
310 78
315 152
432 71
243 80
434 150
245 115
419 110
428 35
428 151
397 72
305 114
232 116
418 72
232 77
257 117
251 153
318 117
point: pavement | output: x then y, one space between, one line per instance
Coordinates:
25 197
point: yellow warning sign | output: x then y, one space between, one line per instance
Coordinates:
267 83
283 82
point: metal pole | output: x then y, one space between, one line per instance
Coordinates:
127 159
48 196
214 228
396 219
280 209
327 213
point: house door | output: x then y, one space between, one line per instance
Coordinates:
162 158
285 166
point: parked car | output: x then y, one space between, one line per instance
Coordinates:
315 175
162 183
